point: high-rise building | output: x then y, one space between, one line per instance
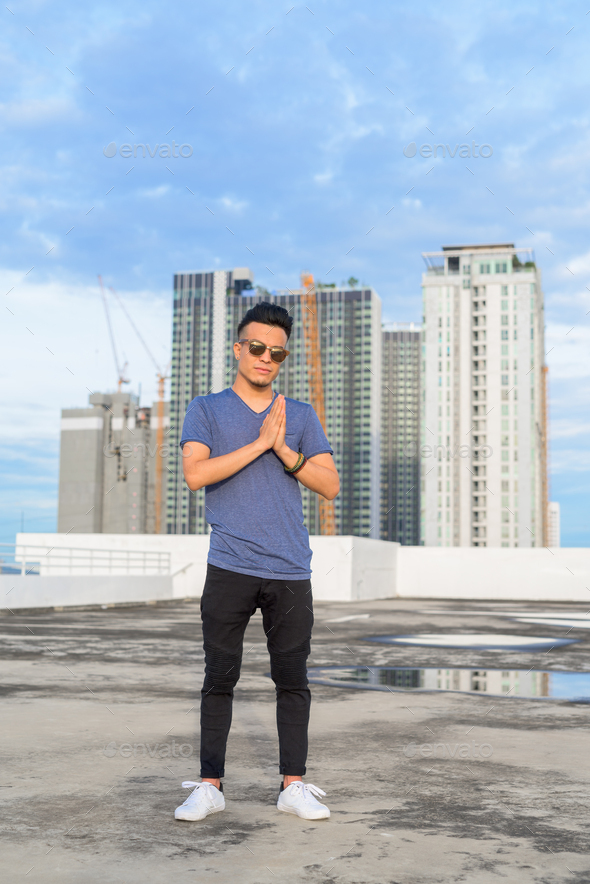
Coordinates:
483 449
400 433
207 310
107 468
202 333
554 527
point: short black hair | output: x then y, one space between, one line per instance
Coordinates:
268 314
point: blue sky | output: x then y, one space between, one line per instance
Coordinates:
297 118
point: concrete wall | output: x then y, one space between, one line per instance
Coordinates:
48 592
345 568
188 553
493 573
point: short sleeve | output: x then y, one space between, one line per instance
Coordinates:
314 439
196 427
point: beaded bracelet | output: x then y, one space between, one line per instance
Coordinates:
300 460
304 461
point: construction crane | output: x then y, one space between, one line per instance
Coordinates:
161 378
121 379
315 380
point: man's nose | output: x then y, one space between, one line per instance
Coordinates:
266 356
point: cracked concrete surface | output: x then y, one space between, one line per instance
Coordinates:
100 706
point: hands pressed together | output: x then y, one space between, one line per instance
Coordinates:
272 431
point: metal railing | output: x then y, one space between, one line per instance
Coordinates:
59 561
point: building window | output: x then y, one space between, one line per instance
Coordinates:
484 268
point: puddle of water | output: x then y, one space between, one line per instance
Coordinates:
483 641
508 612
571 619
519 683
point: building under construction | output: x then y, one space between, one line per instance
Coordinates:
109 454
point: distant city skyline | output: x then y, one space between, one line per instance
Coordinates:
298 125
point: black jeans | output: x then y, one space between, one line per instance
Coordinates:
229 599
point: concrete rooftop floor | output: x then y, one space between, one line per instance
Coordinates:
79 806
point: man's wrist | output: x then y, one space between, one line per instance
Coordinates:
259 447
287 455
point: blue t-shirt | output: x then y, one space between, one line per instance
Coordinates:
256 515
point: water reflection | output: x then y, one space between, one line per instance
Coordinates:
526 684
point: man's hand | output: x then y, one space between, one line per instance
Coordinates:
279 444
282 451
272 431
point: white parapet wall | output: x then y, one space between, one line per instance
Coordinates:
344 568
558 575
19 592
188 553
348 568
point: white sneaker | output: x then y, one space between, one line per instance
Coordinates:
203 800
299 798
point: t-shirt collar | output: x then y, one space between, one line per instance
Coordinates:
251 410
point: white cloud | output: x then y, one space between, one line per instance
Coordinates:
580 264
566 428
567 460
35 111
56 349
231 204
568 351
323 177
412 203
154 192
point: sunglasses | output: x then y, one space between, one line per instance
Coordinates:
257 348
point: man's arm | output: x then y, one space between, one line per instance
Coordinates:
319 473
200 469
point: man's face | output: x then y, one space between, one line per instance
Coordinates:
259 370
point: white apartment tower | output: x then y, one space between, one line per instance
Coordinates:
483 437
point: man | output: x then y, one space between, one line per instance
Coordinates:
250 448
